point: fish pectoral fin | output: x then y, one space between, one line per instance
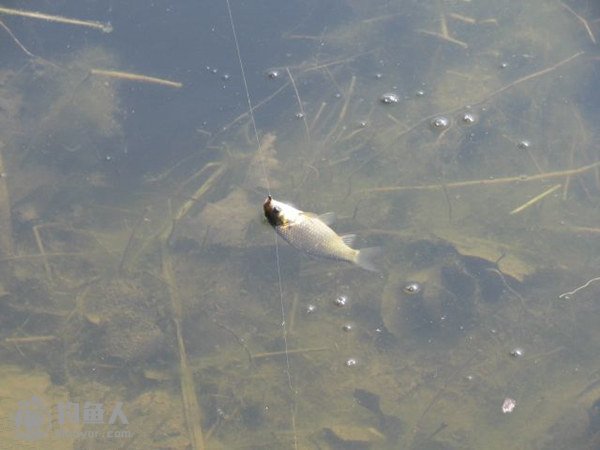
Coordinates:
349 239
328 218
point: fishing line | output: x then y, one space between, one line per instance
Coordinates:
277 259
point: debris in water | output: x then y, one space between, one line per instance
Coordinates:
509 405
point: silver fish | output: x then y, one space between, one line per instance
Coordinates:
311 234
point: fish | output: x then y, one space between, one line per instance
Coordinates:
311 234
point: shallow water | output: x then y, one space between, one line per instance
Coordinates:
145 304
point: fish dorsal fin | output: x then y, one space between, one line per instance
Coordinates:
349 239
328 218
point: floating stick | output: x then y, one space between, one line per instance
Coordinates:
535 199
135 77
105 27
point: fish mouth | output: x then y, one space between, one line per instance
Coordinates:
268 206
272 212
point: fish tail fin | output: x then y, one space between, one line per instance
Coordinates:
366 256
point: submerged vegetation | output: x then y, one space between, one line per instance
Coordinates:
481 180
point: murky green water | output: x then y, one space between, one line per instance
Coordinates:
143 301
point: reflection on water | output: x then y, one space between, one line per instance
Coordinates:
141 302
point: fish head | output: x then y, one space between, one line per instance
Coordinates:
279 213
273 211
